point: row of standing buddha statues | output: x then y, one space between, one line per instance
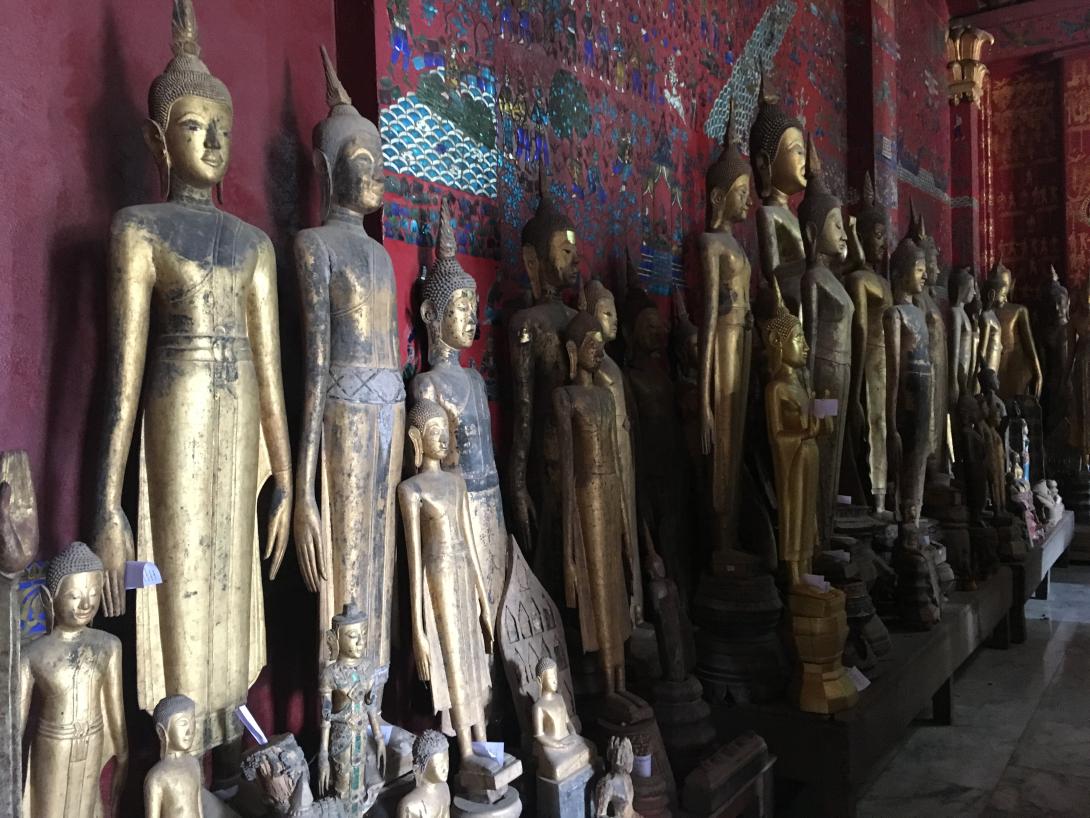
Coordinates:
855 345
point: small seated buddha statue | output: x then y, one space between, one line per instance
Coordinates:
430 798
560 751
172 788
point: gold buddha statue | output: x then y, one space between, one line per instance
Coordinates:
777 150
793 432
871 296
173 787
941 350
726 341
449 310
559 749
1019 368
352 749
76 672
595 299
193 328
452 623
827 313
908 380
963 336
1054 335
590 482
430 798
539 365
991 333
353 392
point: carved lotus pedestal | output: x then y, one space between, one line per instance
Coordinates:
819 625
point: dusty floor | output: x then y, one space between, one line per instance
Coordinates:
1020 743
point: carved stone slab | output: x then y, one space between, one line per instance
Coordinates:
530 629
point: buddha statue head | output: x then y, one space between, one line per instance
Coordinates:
727 182
429 432
1001 280
347 153
820 217
431 758
549 250
777 149
449 294
917 231
784 338
1056 303
598 301
988 380
872 225
547 675
175 724
73 587
188 129
908 269
989 295
348 635
585 344
964 286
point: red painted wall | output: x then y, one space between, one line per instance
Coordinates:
1076 152
1026 132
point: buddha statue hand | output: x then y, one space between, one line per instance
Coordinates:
635 611
323 773
308 539
113 545
279 520
423 657
707 427
486 629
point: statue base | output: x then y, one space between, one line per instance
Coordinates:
567 798
819 625
686 723
628 716
919 597
484 786
739 655
509 806
713 788
984 551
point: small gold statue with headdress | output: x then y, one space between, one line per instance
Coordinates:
352 753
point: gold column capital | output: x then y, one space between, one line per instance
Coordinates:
964 48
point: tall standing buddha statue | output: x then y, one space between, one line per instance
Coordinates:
726 341
1019 368
871 296
449 310
192 294
827 313
353 401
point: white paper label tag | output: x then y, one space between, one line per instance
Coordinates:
860 681
489 749
838 554
816 581
141 575
251 725
844 499
826 408
641 766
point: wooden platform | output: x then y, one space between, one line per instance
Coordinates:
836 754
1031 576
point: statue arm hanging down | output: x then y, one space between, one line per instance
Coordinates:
711 258
523 370
128 296
312 262
262 322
